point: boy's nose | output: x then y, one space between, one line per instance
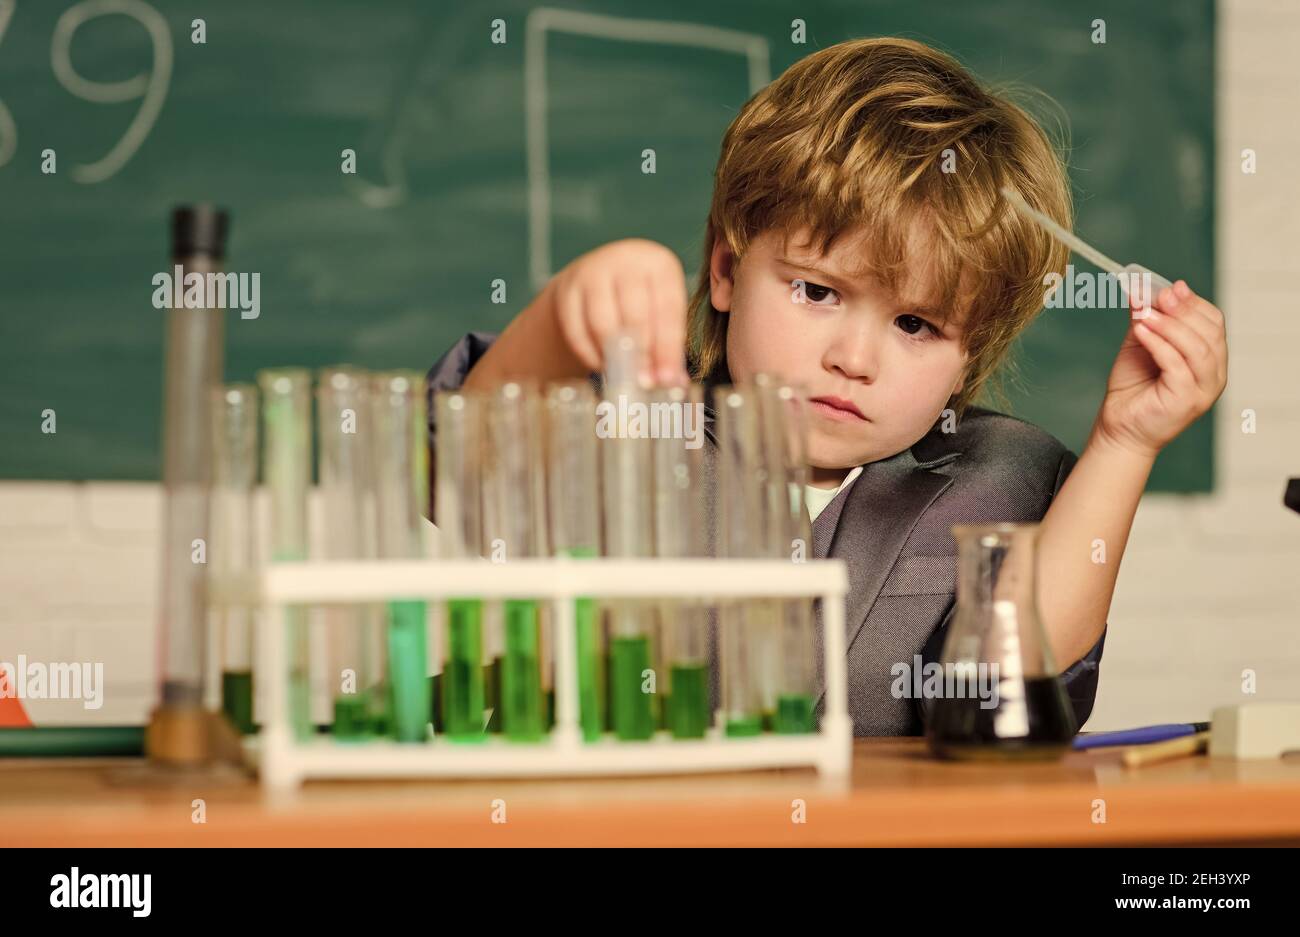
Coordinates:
854 352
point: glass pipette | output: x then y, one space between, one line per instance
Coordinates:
1129 275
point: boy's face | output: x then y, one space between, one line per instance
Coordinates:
844 337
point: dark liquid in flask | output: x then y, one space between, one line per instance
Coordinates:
959 728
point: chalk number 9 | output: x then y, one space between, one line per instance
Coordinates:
151 87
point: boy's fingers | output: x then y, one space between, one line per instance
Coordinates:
1181 310
1185 298
1197 354
634 315
573 326
1173 368
1138 303
670 331
600 310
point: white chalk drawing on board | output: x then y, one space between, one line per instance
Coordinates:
152 88
387 137
545 20
8 130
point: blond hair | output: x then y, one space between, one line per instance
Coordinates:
857 138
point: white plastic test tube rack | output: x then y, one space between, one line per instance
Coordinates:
285 762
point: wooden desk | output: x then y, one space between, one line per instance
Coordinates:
898 796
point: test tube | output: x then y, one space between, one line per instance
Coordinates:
744 623
346 476
400 455
679 534
234 546
459 503
286 471
194 360
514 514
783 407
573 481
629 532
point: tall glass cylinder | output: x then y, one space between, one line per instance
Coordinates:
784 417
514 512
234 542
286 472
574 481
458 504
193 367
626 462
744 624
680 534
344 432
400 452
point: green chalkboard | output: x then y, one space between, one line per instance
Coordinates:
480 161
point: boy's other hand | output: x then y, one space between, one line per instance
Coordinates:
635 285
1171 367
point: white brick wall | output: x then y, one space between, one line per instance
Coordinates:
1210 585
79 565
79 577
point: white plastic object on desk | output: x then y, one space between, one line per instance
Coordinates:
1255 730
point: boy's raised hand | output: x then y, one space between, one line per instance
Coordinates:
635 285
1171 367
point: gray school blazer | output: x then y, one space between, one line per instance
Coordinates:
893 528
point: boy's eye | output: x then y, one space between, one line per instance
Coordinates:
816 293
915 325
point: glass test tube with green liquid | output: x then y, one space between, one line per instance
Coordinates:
739 500
572 466
514 515
679 534
629 532
286 472
400 459
234 479
345 432
789 664
458 503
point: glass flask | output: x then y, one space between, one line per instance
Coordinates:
996 693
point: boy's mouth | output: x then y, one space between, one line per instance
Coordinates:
837 408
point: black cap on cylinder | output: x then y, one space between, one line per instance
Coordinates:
199 229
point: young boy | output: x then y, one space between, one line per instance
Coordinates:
857 244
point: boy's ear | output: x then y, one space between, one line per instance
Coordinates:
722 263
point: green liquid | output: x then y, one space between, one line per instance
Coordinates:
351 717
300 675
632 710
521 676
435 703
744 726
492 693
379 709
593 687
300 706
408 663
462 678
689 704
591 670
794 714
607 684
237 699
